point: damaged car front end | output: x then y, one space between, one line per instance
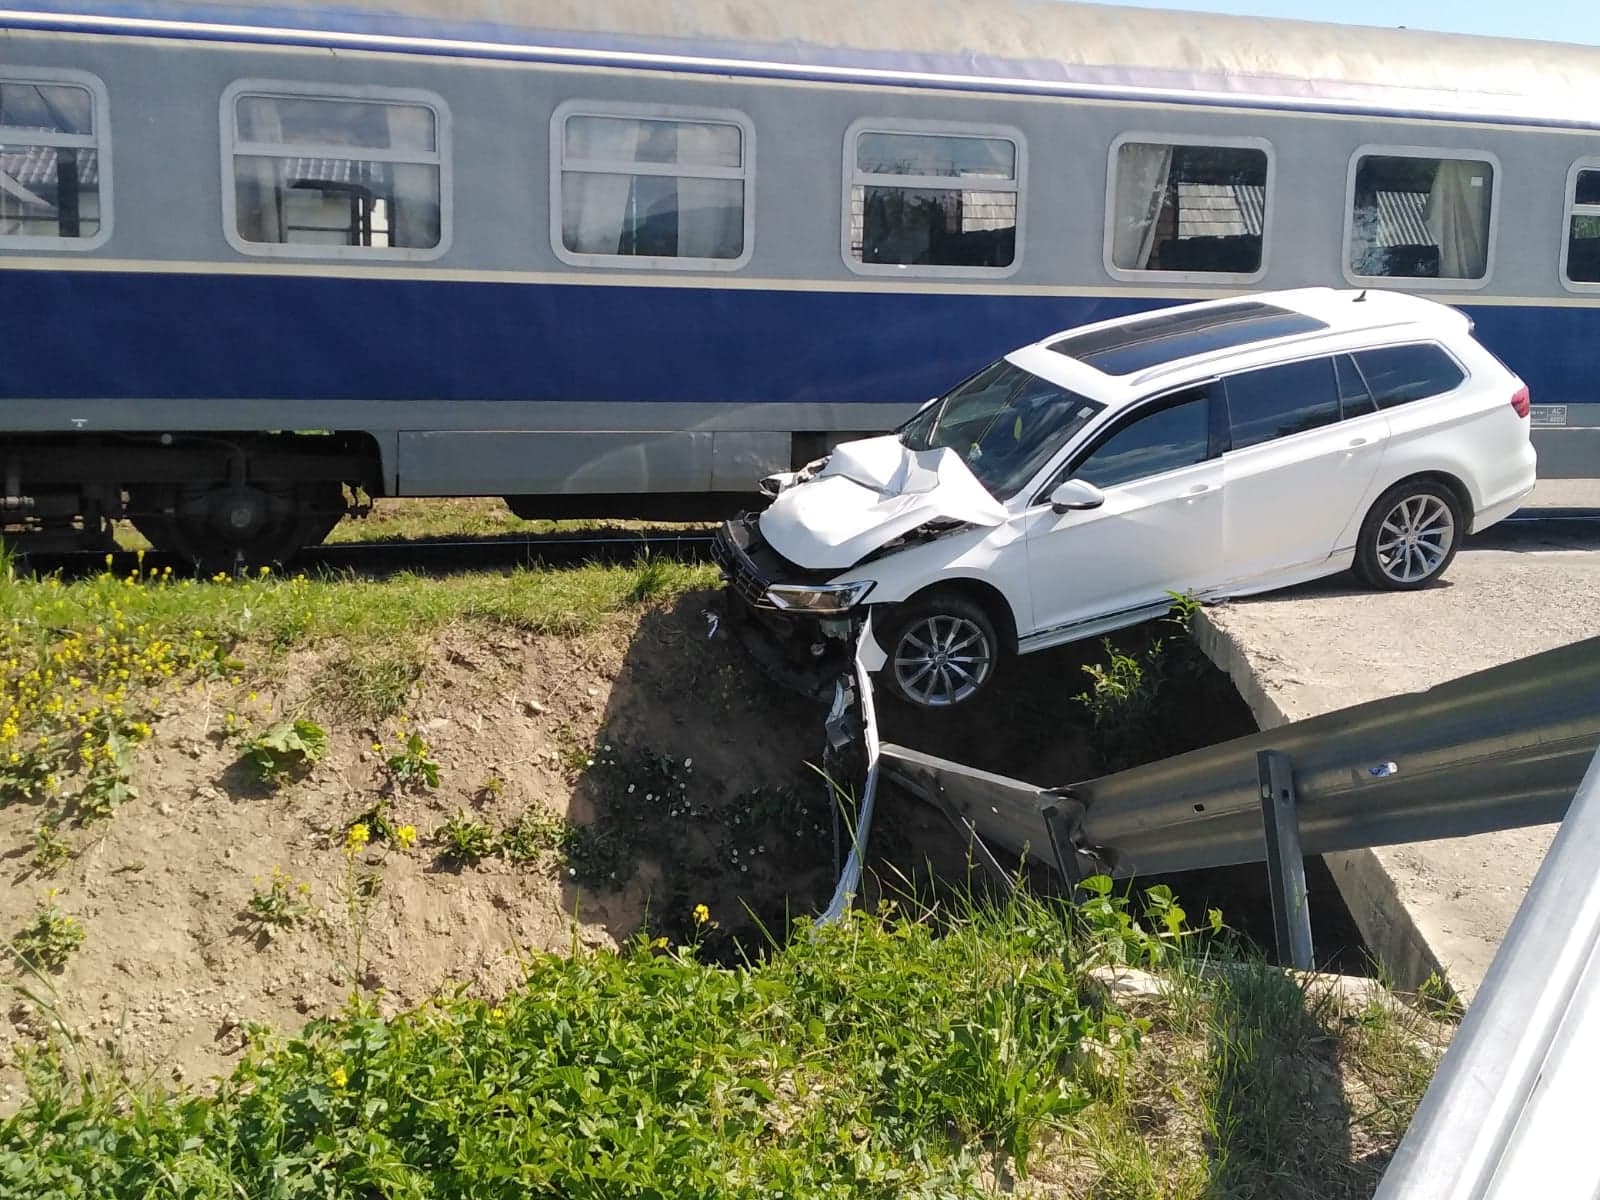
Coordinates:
799 625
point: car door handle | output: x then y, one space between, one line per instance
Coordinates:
1198 490
1354 442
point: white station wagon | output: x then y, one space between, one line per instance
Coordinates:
1073 487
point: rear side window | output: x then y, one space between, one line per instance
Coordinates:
54 191
1354 399
1174 435
1401 374
1276 402
333 172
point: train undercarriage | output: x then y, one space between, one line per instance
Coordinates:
217 500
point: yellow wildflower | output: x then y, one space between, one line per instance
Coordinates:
356 838
659 943
339 1078
702 914
406 836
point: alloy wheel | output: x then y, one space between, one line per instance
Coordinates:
1415 538
941 660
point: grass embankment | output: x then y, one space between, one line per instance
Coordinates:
930 1054
890 1056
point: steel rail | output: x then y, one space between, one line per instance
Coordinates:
1497 749
1509 1112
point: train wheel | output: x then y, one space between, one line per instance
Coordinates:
222 528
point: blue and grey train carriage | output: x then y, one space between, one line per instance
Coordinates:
608 257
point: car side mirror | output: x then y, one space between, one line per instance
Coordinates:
1076 495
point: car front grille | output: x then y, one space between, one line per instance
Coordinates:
729 552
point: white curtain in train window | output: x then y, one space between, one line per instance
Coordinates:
1141 192
258 191
1457 217
595 203
414 201
613 211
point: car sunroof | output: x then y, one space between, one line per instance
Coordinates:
1167 337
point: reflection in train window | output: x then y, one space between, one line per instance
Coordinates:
335 174
946 201
1183 206
51 193
1420 216
1581 258
662 184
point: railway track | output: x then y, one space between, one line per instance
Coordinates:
431 555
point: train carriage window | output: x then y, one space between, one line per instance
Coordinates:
1421 215
932 199
651 186
1193 207
334 172
54 175
1580 256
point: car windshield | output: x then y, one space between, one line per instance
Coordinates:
1004 422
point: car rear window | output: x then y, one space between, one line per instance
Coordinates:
1168 337
1401 374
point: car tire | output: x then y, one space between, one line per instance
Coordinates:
942 650
1410 535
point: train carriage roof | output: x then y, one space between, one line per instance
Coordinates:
1009 44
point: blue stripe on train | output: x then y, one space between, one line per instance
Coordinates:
76 334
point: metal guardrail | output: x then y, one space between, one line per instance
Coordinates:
1509 1114
850 875
1497 749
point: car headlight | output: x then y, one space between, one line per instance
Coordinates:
822 598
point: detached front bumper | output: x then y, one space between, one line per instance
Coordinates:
802 650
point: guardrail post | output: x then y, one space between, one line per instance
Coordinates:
1286 869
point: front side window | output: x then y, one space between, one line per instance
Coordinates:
671 188
1582 256
1006 423
1400 374
335 174
1416 216
1189 208
51 192
945 201
1173 435
1279 401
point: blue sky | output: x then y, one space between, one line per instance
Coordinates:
1551 20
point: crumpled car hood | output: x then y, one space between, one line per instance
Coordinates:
870 493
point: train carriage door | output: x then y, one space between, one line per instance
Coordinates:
1305 442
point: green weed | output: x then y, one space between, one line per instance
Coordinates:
278 904
285 749
48 940
463 841
412 764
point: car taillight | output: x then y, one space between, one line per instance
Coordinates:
1519 401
